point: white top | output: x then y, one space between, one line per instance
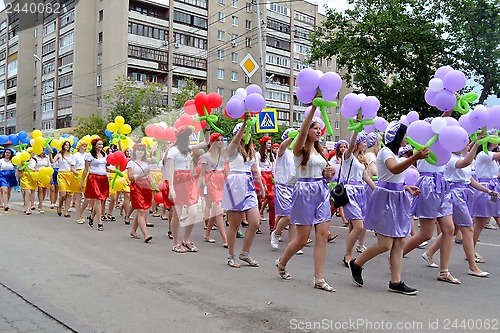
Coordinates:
237 163
79 160
370 158
384 175
155 166
181 162
97 165
314 168
486 166
453 174
217 164
6 165
357 169
41 162
423 166
137 166
284 167
267 165
66 163
55 165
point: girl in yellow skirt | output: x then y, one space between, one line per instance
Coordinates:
79 158
28 184
114 193
65 177
157 179
42 161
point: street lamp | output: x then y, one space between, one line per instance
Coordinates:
42 95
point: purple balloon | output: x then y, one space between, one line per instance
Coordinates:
445 100
369 107
411 176
253 89
305 96
442 71
369 129
430 97
494 112
451 121
255 102
380 124
420 131
350 105
453 138
412 116
454 80
442 154
330 84
308 78
466 125
479 117
404 120
235 108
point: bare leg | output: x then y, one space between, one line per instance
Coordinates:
357 228
396 259
423 234
321 231
253 225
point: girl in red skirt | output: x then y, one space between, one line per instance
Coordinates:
266 158
140 189
182 187
97 188
212 181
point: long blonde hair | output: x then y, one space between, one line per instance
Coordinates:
246 150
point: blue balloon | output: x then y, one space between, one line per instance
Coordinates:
13 139
3 139
75 142
65 135
26 140
108 133
22 135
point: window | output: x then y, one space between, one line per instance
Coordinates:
189 61
2 89
329 63
197 3
278 9
49 28
13 32
48 48
248 24
220 91
99 59
299 48
221 2
234 57
2 70
234 21
3 40
301 33
145 53
222 17
277 96
143 77
234 76
278 43
221 35
99 37
303 17
248 42
66 40
48 106
48 86
220 73
66 102
277 60
49 67
278 26
13 48
65 81
66 59
235 3
12 82
234 38
248 7
99 80
147 31
191 20
12 68
101 15
67 18
220 54
190 40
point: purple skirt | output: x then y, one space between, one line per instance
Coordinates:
283 199
388 211
369 191
482 206
461 204
355 208
435 198
310 202
239 192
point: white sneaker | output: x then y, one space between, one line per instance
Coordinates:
275 241
423 245
490 226
299 252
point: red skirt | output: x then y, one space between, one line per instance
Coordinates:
164 192
140 196
267 177
185 188
97 187
215 185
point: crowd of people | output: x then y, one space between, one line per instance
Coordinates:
240 181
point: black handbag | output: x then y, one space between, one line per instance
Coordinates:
338 192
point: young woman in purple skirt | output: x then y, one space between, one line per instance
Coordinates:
310 200
388 212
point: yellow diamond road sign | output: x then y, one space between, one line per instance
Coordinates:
249 65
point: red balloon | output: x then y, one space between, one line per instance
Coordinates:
187 120
199 125
111 159
214 100
149 130
157 132
158 198
177 123
201 99
225 113
323 131
120 157
190 107
170 134
123 164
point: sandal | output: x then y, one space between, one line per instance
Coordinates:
331 237
67 216
127 222
428 261
245 256
134 236
111 217
478 259
445 276
104 218
155 215
258 232
169 234
41 211
360 249
100 227
178 248
321 284
190 246
91 221
80 220
283 273
231 261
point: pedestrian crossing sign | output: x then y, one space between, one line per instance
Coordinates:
268 121
194 138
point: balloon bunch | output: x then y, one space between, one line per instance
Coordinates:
362 106
442 89
480 120
310 82
202 104
119 161
249 99
317 114
44 175
442 136
22 158
379 125
119 129
160 131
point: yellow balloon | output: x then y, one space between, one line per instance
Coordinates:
37 150
50 171
39 141
45 179
36 176
56 143
95 136
119 120
126 129
118 185
112 127
36 133
86 139
25 156
70 140
16 160
115 141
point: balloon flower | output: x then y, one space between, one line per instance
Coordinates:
202 105
479 121
118 160
364 107
119 128
246 100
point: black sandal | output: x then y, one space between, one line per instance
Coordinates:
104 218
169 234
91 221
111 218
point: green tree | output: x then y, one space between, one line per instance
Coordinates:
390 48
91 125
184 94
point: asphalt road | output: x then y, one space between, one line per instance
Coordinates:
108 282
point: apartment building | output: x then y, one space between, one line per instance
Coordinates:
62 67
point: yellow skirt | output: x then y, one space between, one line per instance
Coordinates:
123 187
27 183
75 183
157 178
64 180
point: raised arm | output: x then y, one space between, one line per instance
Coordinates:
235 142
203 144
284 146
397 168
304 130
468 159
352 145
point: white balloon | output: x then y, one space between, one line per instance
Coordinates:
241 93
163 124
480 107
362 96
320 73
438 124
404 120
436 84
